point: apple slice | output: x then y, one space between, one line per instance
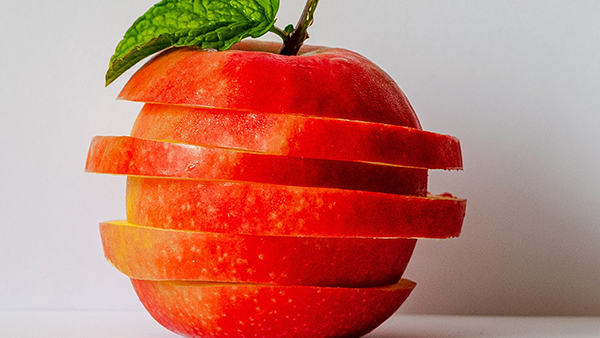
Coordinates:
195 310
138 157
159 254
328 82
299 136
264 209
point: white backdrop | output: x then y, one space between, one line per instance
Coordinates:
517 81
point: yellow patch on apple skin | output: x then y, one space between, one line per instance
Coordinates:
133 196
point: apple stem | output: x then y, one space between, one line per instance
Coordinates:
282 34
292 45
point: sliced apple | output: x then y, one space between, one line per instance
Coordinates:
328 82
138 157
299 136
264 209
198 310
159 254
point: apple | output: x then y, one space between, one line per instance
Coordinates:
200 309
266 209
269 195
319 81
299 136
139 157
163 254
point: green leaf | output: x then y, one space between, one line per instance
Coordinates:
214 24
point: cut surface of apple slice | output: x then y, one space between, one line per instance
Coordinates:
250 310
159 254
132 156
299 136
265 209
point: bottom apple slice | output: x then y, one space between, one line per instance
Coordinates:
200 309
159 254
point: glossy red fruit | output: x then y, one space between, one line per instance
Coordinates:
320 81
209 310
159 254
138 157
265 209
299 136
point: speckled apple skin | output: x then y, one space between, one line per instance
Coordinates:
204 310
266 209
164 254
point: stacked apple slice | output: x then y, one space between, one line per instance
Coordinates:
270 195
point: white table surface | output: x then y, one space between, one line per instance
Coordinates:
140 325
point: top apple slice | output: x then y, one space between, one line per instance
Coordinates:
325 82
288 135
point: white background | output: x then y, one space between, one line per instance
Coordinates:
517 81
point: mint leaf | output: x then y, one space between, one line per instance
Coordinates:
215 24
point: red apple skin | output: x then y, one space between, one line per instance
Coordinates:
158 254
299 136
138 157
264 209
326 82
205 310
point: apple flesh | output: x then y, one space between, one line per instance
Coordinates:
264 209
299 136
158 254
138 157
319 81
197 310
